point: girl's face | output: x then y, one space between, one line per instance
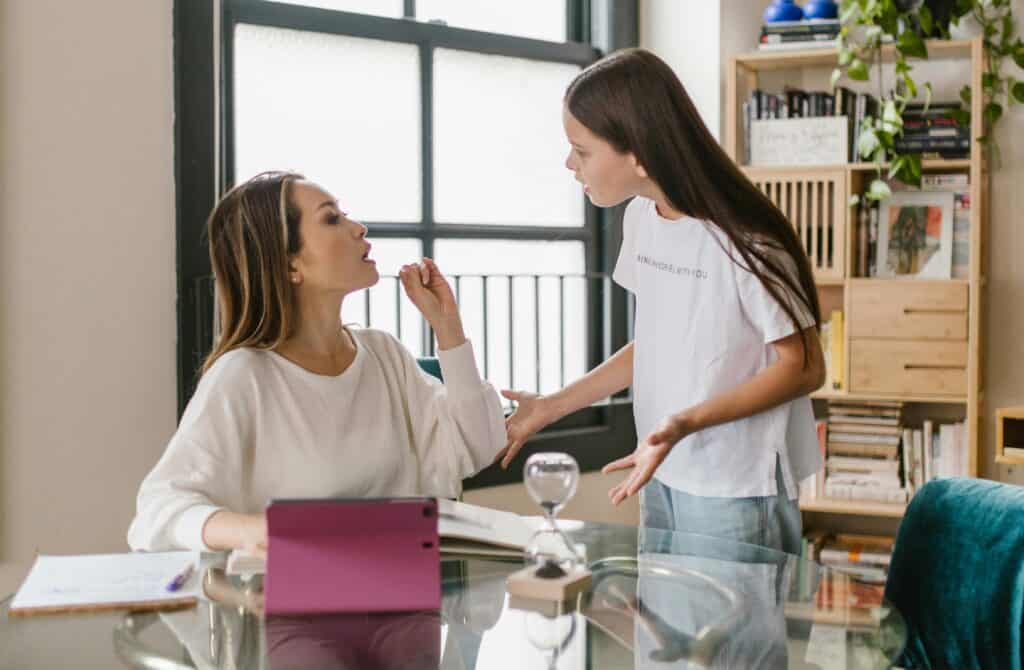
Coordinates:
608 177
334 256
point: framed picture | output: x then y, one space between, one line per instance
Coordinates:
915 235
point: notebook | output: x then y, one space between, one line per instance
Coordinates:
465 530
103 582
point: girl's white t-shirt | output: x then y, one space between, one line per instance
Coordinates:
260 427
705 325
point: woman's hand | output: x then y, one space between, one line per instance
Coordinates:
649 454
533 412
226 530
428 289
253 534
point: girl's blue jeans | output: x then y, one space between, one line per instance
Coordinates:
769 521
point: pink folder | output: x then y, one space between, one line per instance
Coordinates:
352 555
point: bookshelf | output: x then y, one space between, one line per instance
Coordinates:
928 353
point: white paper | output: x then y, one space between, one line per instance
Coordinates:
57 581
826 647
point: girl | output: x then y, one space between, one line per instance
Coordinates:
726 348
292 403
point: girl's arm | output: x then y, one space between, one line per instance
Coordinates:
229 530
785 379
533 411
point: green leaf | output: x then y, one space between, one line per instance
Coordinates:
879 190
962 117
873 35
845 57
911 87
924 15
896 166
993 111
927 95
867 143
892 122
858 70
1018 55
1018 92
854 200
965 95
850 14
834 79
913 164
988 80
911 44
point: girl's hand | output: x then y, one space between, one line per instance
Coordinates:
533 412
428 289
649 454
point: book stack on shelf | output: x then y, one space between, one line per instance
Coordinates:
858 568
804 34
934 132
938 247
862 452
795 103
934 451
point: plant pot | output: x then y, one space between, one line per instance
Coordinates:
821 9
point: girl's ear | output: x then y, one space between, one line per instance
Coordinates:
639 169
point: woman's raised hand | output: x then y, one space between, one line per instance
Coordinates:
428 289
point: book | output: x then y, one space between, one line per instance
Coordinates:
864 438
466 530
863 420
106 582
857 449
836 348
863 428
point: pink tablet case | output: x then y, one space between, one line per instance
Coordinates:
363 555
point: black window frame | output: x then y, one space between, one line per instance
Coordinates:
204 168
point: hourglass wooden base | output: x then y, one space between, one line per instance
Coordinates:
549 596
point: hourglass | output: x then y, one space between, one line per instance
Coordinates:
556 571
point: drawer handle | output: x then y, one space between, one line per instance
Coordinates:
921 310
910 366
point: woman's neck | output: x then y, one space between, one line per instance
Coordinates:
320 343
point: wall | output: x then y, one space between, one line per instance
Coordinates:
87 321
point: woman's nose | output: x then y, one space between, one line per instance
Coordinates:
361 229
568 161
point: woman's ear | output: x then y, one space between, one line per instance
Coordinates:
637 168
294 276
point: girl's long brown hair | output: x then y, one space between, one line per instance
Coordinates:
633 100
253 231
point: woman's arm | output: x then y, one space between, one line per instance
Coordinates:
533 411
785 379
225 530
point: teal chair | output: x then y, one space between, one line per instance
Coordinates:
957 575
431 366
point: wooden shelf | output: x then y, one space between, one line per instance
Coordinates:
844 395
857 617
762 61
856 507
937 164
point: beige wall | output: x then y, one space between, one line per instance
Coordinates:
87 321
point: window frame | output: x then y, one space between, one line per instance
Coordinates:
204 166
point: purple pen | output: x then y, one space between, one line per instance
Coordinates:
182 577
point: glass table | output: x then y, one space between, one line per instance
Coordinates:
657 600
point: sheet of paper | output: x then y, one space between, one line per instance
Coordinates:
826 647
57 581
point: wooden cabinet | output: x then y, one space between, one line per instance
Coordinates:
912 367
925 310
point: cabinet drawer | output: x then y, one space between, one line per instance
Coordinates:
909 309
908 366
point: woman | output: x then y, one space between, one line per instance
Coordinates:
292 403
726 348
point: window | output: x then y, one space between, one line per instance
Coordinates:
438 125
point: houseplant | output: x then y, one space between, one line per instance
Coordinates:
868 24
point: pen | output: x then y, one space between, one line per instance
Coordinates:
181 578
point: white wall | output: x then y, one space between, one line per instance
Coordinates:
87 320
679 32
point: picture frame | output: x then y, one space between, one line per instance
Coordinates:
915 235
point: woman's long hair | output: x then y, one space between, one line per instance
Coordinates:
253 231
633 100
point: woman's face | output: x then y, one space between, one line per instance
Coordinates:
334 256
608 177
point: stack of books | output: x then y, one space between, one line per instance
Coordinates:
795 103
862 452
858 568
934 451
934 133
806 34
